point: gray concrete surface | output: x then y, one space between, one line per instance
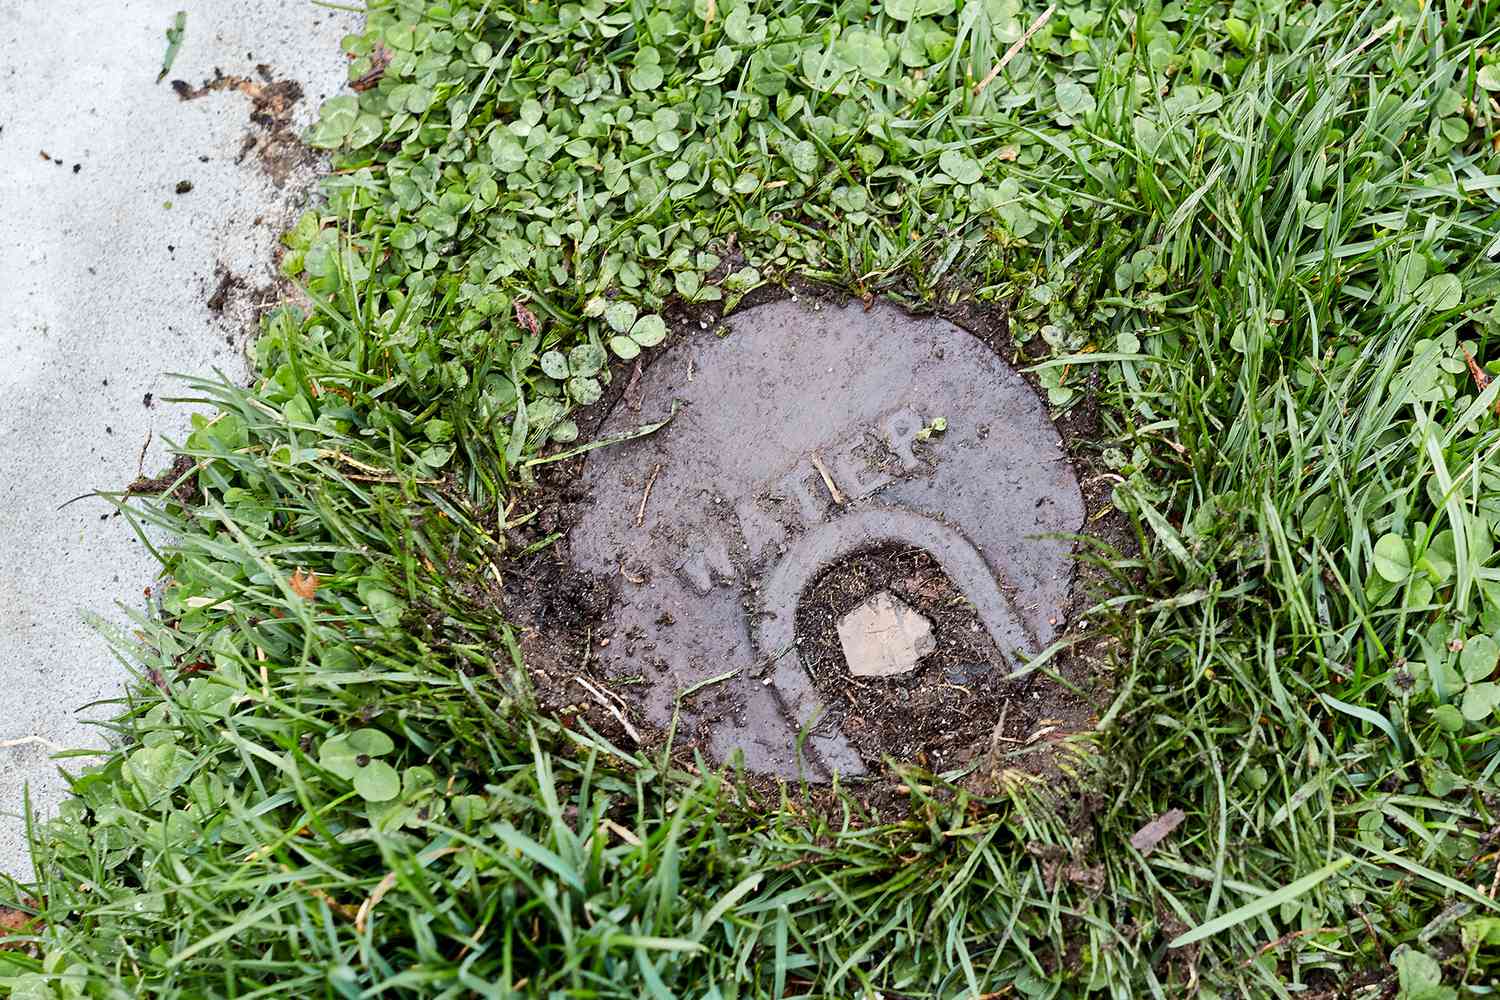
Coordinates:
103 289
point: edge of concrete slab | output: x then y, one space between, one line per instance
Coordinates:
128 210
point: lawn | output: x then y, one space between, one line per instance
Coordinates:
1254 241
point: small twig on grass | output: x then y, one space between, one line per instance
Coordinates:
619 831
620 716
641 431
379 60
640 515
632 388
997 734
386 884
473 942
1374 938
1015 49
374 474
1375 36
1290 937
1481 378
372 900
1044 731
833 489
1153 833
388 479
140 463
710 682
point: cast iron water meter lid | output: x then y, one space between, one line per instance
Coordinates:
806 435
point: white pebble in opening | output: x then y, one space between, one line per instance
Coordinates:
884 637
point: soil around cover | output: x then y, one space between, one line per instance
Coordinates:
825 450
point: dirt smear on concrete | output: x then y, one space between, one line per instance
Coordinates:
272 142
272 138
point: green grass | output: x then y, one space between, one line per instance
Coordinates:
1266 228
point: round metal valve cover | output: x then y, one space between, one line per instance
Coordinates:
806 435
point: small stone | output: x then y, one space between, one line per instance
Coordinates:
884 637
964 674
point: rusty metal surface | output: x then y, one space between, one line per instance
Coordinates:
798 443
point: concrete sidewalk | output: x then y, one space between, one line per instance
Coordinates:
104 287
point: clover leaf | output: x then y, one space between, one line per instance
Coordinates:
1420 976
384 605
1074 99
648 331
646 76
691 287
157 770
802 155
1462 684
470 809
620 316
1480 701
745 28
1477 660
354 757
865 51
1441 292
336 120
545 419
963 169
1392 558
417 802
585 391
1448 718
906 10
577 370
586 359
